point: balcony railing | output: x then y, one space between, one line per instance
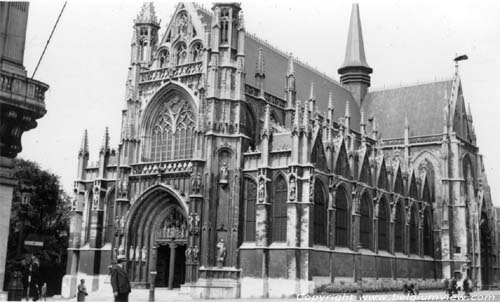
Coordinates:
22 91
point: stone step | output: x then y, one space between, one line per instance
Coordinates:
161 294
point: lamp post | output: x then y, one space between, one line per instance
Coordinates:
152 286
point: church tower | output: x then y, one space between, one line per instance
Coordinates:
355 73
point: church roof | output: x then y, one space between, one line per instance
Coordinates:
276 65
423 105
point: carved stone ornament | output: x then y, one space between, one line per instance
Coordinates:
221 253
224 174
292 188
262 191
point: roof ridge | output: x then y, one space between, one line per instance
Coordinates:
202 8
411 84
295 59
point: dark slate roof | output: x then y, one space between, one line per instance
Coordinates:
423 104
276 64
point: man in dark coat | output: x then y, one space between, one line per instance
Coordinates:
119 280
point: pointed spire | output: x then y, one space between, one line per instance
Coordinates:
296 121
469 112
407 126
267 121
84 147
311 92
147 15
260 64
362 124
291 68
374 129
347 109
331 109
355 50
305 120
105 141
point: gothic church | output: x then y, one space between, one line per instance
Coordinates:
225 186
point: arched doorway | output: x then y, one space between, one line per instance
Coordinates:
170 241
157 236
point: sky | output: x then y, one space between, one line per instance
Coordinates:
405 42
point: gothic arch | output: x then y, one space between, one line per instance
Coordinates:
414 228
195 50
398 183
250 127
366 220
384 223
320 213
365 174
382 177
399 219
342 166
318 157
343 204
161 121
279 208
249 207
428 241
412 188
109 219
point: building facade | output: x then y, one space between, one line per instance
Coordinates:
227 186
21 104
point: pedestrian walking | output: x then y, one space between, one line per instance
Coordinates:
467 286
446 286
43 292
82 291
119 280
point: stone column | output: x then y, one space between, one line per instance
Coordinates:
7 183
171 266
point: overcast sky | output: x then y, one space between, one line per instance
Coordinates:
405 42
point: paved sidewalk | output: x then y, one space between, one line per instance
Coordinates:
163 295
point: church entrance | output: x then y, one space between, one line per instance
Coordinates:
171 266
171 242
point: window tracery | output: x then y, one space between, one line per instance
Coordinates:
196 52
173 131
181 54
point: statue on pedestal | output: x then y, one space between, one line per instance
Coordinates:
224 173
221 253
262 191
196 184
293 188
195 253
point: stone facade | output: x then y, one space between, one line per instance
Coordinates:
222 185
21 104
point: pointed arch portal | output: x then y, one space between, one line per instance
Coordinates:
157 236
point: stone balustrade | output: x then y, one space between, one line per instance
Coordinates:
180 166
171 72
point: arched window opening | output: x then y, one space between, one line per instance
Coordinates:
250 200
426 194
224 24
318 157
398 185
163 57
172 136
365 222
413 188
428 240
399 228
382 178
181 55
383 226
279 210
366 174
342 165
414 231
320 215
196 52
341 219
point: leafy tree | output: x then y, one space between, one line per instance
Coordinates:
44 214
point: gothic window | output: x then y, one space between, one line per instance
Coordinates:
426 194
180 54
279 210
250 199
414 231
342 165
163 57
399 228
172 136
383 225
341 218
365 222
320 214
224 25
428 243
398 185
318 156
382 178
196 52
365 174
413 187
